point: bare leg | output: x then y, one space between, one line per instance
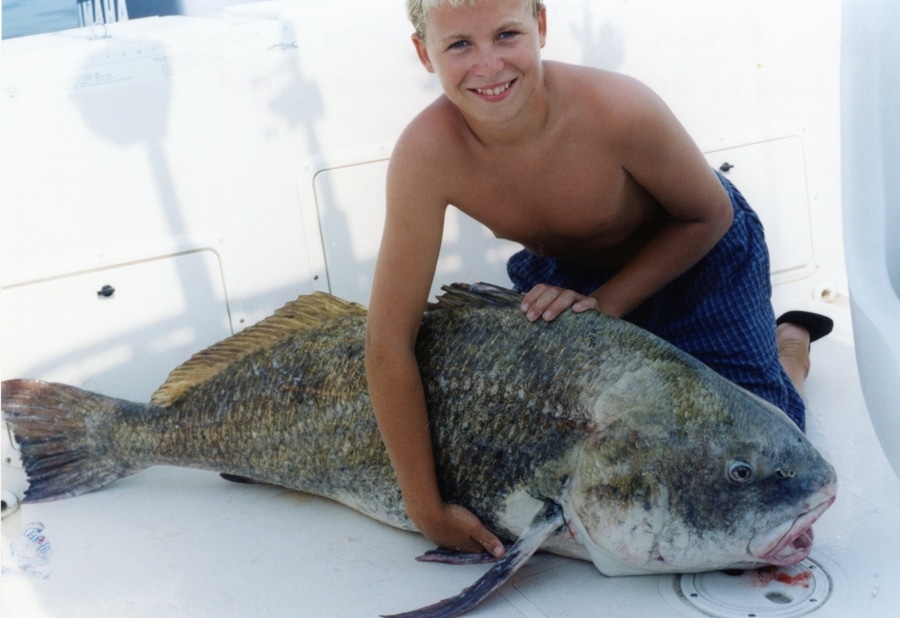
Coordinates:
793 350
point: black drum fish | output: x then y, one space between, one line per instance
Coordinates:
585 436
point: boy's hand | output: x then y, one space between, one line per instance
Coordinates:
457 528
547 302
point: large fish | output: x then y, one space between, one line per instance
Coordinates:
585 436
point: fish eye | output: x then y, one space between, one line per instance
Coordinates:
739 471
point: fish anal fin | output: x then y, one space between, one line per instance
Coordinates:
544 524
448 556
304 313
243 480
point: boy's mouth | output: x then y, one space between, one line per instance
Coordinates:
494 91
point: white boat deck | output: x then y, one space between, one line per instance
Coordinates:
186 129
175 542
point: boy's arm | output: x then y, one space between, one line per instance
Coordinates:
659 154
403 276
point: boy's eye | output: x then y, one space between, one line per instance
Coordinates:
508 34
458 45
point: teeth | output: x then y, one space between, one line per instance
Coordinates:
494 91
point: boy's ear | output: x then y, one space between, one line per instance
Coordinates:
422 52
542 25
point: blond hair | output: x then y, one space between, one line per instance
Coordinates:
417 10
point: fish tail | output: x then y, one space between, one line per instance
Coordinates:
63 436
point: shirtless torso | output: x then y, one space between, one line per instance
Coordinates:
566 192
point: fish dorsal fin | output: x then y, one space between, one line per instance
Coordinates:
304 313
475 295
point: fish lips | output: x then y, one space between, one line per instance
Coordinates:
792 541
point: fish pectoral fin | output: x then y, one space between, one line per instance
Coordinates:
546 523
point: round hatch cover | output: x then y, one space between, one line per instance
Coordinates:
773 592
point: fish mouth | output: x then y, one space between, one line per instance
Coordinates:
791 542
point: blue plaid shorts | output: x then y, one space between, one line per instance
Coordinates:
719 311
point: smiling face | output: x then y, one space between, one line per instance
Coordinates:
486 56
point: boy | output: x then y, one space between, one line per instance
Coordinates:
617 209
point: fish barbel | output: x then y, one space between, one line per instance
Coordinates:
585 436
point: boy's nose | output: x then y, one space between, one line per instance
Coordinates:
488 62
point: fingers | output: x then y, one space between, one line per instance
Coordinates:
547 302
462 531
490 543
586 304
482 538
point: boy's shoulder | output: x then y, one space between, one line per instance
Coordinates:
605 104
590 85
432 132
439 118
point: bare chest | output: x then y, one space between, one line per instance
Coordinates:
560 206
